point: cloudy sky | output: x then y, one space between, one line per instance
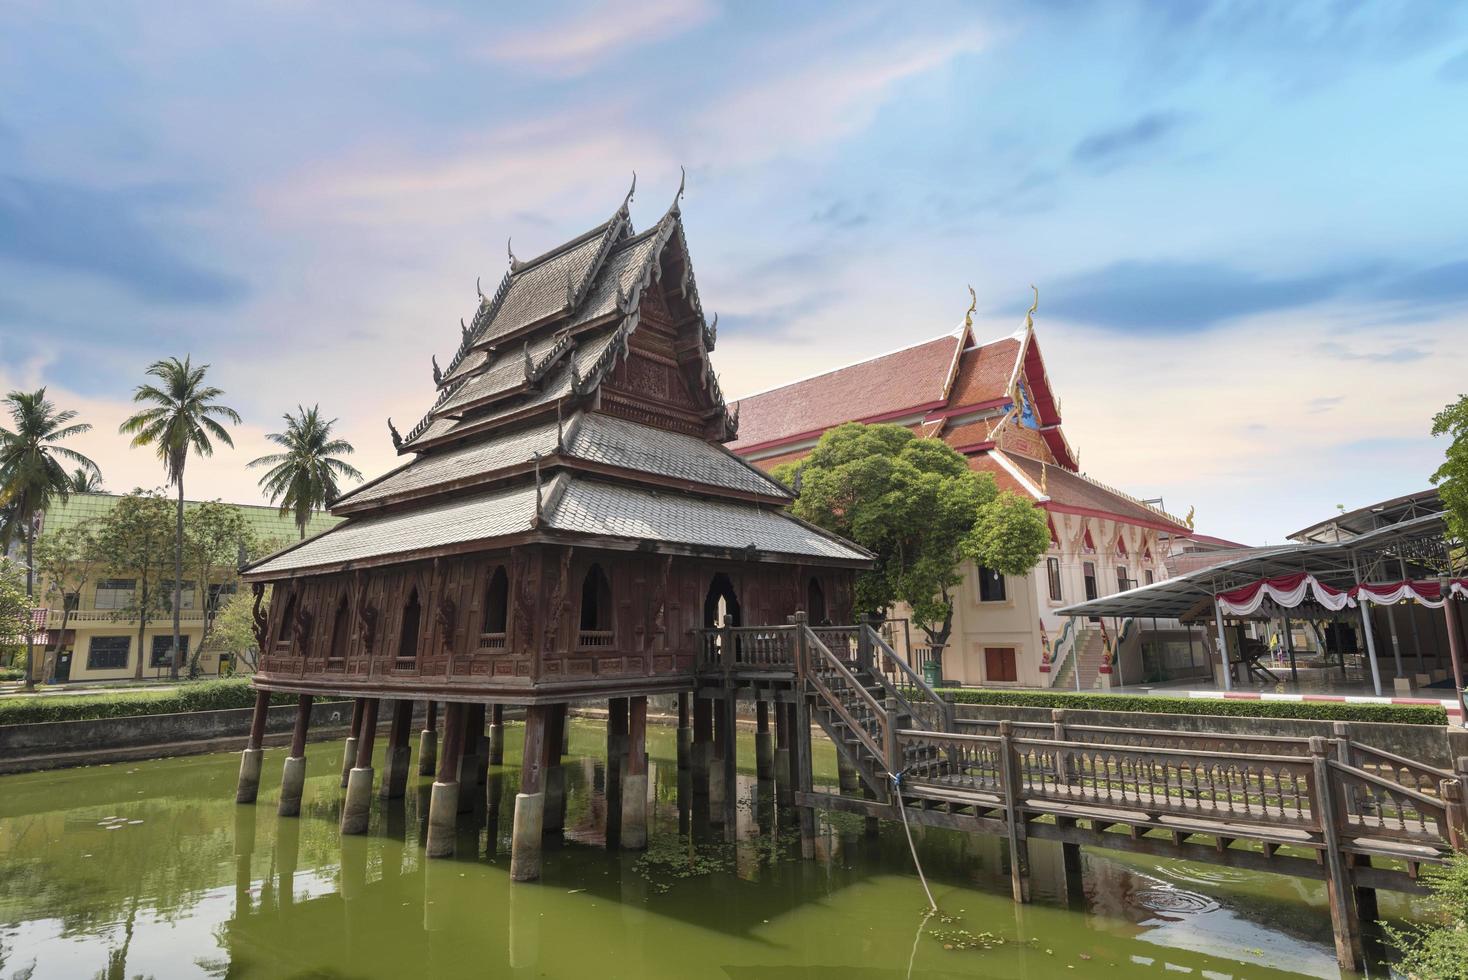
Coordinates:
1246 220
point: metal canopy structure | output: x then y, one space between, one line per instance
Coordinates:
1415 546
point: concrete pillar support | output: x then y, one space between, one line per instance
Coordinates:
525 842
497 735
443 805
428 742
293 774
357 806
253 757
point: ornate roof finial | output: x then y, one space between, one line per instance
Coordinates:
1189 519
576 388
529 363
682 182
1044 486
630 191
1030 315
560 433
482 298
713 331
509 250
397 439
437 371
464 331
973 304
570 292
536 457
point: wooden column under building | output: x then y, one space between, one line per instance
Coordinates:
783 781
349 752
443 806
496 734
357 806
399 751
616 762
525 842
293 774
764 743
555 772
253 756
469 757
685 730
428 741
703 744
634 777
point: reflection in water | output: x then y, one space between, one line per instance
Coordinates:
152 870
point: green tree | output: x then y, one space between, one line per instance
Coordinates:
917 506
234 629
216 536
84 480
66 560
31 476
304 477
184 416
1451 478
137 536
15 609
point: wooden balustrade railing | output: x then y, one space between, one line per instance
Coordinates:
925 705
1229 789
846 696
586 639
746 648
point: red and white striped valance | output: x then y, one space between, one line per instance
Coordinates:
1429 592
1286 591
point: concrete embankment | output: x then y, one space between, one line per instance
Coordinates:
61 744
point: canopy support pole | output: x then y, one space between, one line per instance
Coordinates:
1228 680
1412 618
1370 637
1289 645
1455 646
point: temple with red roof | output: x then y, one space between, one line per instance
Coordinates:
993 402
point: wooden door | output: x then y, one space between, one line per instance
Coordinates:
999 664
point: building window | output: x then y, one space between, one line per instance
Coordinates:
991 585
596 600
341 625
408 632
115 593
1123 580
1147 576
108 652
1089 568
219 594
999 664
162 646
71 601
283 632
815 603
497 602
185 595
1052 570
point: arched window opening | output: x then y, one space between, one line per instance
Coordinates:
596 609
721 602
341 625
287 615
497 603
815 603
408 634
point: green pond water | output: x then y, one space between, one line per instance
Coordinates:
151 870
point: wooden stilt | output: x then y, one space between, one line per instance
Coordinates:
357 806
685 730
428 741
717 750
730 767
349 754
469 760
293 775
1344 923
1019 851
555 773
253 756
800 752
764 743
702 751
443 807
634 778
525 842
497 735
616 762
782 754
399 752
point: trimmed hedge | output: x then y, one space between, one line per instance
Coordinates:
11 674
210 695
1396 714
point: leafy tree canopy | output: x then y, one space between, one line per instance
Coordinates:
1451 478
305 477
918 507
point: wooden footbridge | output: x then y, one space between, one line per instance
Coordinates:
1329 809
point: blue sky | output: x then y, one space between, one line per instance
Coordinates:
1246 220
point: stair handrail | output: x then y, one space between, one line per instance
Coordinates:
944 708
1061 650
814 647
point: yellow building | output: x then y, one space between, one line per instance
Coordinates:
100 641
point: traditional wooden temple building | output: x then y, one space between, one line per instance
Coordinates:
565 519
993 402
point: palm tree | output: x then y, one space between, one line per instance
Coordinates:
31 477
182 417
304 477
84 480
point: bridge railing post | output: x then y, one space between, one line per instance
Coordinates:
1344 755
1328 815
1009 788
1456 831
1062 756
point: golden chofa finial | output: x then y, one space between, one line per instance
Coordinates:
1189 519
1030 314
973 304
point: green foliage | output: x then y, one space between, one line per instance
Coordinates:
15 605
1437 949
12 673
66 560
31 474
234 629
216 534
210 695
137 538
917 506
304 477
1451 478
1396 714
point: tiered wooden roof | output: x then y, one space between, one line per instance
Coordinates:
579 403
